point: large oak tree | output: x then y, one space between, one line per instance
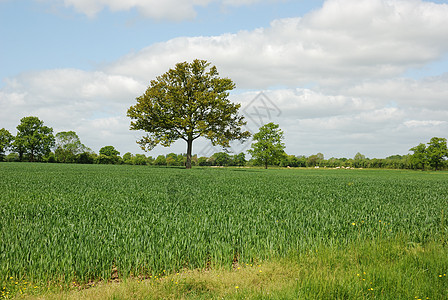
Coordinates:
188 102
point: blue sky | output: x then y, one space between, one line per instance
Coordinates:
39 35
348 76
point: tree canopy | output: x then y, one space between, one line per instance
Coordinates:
418 159
188 102
436 152
433 155
68 145
33 138
108 155
6 139
268 148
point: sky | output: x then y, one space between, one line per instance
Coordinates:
338 76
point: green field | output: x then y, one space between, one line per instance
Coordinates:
61 224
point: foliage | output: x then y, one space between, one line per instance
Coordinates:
50 157
436 152
239 159
84 223
293 161
127 158
268 148
188 102
203 161
6 139
109 151
85 158
433 155
108 155
68 146
419 159
137 159
172 159
33 138
315 160
12 157
160 160
222 159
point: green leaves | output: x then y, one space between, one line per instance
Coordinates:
68 145
6 139
33 138
108 155
268 148
433 155
188 102
436 152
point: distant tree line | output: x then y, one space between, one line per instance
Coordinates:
35 142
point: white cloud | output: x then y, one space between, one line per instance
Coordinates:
418 123
72 84
429 92
69 99
344 41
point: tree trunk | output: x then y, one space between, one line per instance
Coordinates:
189 149
266 164
32 155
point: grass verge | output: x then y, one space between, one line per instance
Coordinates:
377 269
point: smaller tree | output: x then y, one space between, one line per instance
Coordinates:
108 155
268 148
160 160
33 138
68 146
202 161
6 139
314 160
359 156
359 160
222 159
85 158
239 159
128 158
436 152
139 159
171 159
291 161
418 159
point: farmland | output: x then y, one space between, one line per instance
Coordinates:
85 223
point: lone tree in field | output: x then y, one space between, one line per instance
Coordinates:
188 102
268 148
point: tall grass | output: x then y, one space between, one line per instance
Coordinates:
65 223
